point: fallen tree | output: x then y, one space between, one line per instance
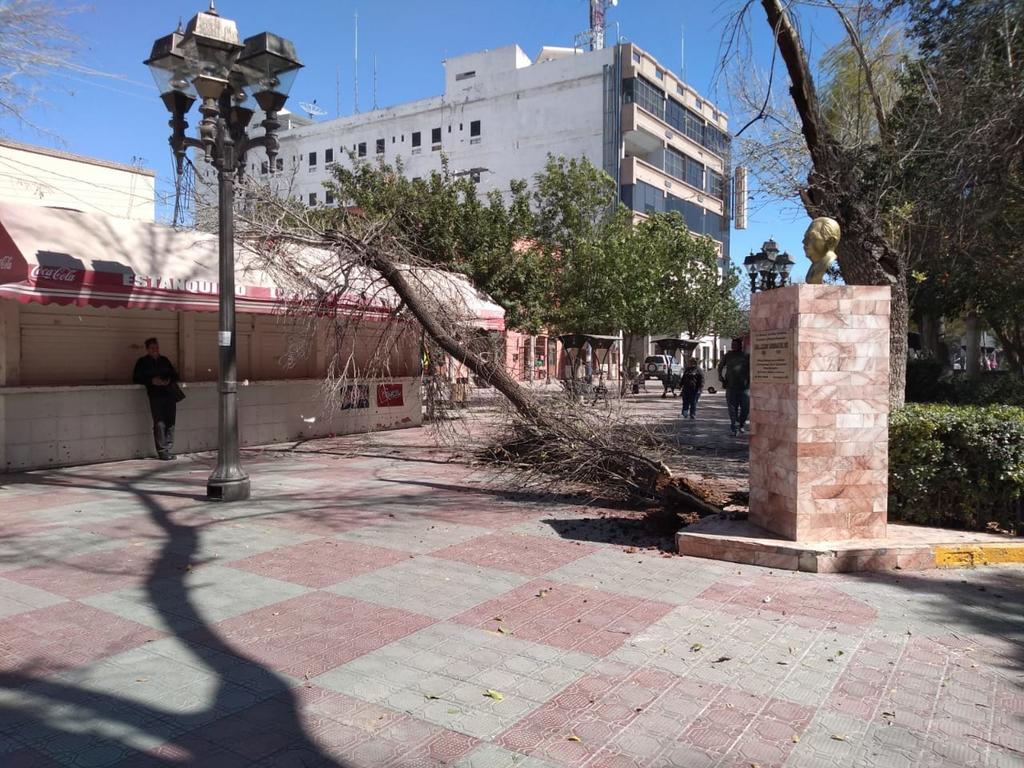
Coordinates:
358 274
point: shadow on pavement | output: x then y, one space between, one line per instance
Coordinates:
983 609
99 723
652 530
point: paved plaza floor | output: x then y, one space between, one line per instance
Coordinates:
379 604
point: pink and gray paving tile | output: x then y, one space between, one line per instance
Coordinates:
378 605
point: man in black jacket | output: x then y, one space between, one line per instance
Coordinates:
156 373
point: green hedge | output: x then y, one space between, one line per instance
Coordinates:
956 466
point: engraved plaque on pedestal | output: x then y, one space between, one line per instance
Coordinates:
771 357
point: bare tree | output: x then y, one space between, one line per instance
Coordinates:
850 182
34 43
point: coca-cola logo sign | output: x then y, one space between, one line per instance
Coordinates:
389 395
56 274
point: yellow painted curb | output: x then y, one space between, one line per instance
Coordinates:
965 556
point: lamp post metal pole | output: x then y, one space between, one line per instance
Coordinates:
228 482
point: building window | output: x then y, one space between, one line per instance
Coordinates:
380 146
264 167
694 127
403 138
716 184
680 90
474 176
312 198
362 149
474 128
449 127
465 75
280 163
392 139
694 173
416 138
647 199
660 74
435 135
715 140
460 127
328 156
675 164
329 198
698 103
636 57
646 96
312 159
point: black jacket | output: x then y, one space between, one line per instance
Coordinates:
692 379
146 368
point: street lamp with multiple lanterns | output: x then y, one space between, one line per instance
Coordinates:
769 265
231 78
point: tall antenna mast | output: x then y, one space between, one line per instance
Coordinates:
595 35
355 71
596 25
682 51
375 81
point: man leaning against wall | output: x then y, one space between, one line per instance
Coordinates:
157 374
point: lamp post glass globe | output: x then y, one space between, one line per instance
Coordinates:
785 265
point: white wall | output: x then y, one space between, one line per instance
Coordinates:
60 426
38 176
526 111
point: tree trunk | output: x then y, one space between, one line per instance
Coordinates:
973 344
899 318
930 334
1011 336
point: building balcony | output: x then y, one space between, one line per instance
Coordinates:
648 132
635 169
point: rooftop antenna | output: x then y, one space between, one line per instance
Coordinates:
355 70
312 109
594 36
682 51
375 81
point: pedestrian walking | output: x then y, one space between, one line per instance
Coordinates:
734 371
692 384
156 373
669 382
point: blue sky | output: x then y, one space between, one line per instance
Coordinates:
120 118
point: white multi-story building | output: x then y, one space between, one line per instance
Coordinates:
502 114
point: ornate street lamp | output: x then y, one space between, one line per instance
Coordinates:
208 62
768 264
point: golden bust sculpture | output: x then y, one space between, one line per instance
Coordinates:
820 243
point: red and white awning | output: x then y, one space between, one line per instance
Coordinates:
61 256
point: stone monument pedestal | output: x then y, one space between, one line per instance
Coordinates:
819 410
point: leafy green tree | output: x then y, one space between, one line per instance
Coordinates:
444 223
566 256
960 136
